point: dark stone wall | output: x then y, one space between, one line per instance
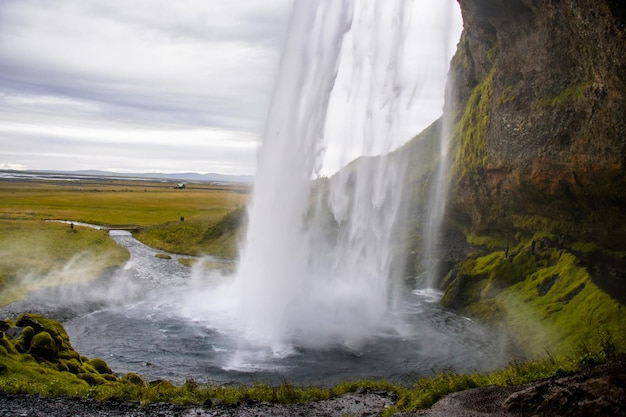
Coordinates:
546 148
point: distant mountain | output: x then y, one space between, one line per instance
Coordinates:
181 176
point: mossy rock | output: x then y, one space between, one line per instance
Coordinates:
23 342
7 345
44 346
109 377
100 365
4 325
161 384
62 367
87 368
72 365
55 329
133 378
29 320
69 354
3 351
92 379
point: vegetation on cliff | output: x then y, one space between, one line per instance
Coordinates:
538 96
539 296
539 172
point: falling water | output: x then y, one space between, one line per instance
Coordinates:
320 265
437 196
316 273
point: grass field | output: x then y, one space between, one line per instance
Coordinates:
36 253
142 203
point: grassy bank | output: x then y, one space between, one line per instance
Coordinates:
40 360
543 296
35 253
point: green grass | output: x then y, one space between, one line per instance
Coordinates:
141 203
36 254
545 301
427 391
61 371
199 236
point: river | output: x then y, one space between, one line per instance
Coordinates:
134 319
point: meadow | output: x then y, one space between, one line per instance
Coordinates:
36 253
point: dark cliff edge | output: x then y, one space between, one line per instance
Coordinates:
538 94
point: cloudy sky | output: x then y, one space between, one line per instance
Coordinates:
157 85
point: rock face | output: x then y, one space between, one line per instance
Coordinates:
538 95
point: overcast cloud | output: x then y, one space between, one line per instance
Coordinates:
149 85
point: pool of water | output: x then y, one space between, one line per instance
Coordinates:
135 320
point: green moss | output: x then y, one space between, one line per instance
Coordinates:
100 366
44 346
133 378
569 314
92 379
571 94
543 299
72 365
469 136
492 242
22 343
506 96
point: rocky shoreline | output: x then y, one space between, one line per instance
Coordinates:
594 391
366 403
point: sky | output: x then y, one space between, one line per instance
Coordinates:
161 85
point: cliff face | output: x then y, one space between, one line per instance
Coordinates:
538 96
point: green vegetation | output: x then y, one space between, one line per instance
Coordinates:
199 235
571 94
40 360
114 202
427 391
36 254
544 298
468 138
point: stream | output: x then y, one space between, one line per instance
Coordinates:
133 320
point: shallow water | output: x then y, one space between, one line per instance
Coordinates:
144 331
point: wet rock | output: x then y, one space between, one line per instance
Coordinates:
540 139
26 320
591 392
4 326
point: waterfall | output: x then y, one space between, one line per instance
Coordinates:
321 262
437 196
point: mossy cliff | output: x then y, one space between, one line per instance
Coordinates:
537 93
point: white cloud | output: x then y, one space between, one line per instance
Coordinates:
142 79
